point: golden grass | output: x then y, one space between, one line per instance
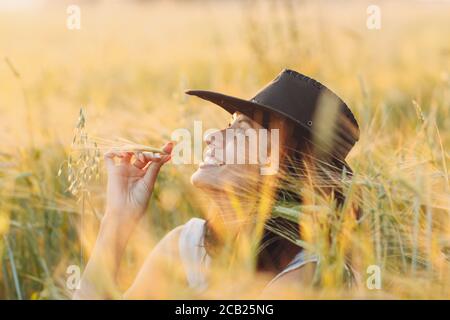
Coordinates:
128 67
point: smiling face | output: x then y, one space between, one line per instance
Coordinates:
229 159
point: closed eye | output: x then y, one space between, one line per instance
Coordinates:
245 123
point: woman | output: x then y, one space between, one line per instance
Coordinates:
316 132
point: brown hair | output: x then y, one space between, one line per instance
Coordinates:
296 161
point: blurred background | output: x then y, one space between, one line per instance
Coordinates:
128 66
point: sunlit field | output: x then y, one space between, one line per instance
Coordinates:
128 68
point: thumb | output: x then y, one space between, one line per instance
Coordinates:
153 168
152 173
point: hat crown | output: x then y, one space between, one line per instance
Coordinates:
296 95
299 98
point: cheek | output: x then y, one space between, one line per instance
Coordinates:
240 151
229 151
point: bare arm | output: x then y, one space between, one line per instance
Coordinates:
129 189
99 278
160 269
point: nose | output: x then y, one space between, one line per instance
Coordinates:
214 138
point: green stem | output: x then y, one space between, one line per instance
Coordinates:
13 268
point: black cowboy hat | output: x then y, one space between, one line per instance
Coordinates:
297 98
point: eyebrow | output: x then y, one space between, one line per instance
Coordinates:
246 120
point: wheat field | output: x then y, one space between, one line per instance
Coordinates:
128 67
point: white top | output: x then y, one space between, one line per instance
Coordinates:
196 261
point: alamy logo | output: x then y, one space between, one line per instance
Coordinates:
373 21
73 279
74 17
373 281
229 146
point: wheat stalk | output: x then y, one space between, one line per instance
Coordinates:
85 155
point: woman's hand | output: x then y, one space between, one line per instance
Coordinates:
130 184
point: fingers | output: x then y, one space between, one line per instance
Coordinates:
152 173
157 157
156 163
126 157
143 158
111 155
139 160
168 147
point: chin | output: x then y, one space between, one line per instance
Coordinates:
206 178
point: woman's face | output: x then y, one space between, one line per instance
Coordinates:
227 161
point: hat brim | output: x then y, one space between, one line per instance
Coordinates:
234 104
247 107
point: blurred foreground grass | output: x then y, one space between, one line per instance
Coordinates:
128 67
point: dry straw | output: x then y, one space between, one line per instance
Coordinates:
85 154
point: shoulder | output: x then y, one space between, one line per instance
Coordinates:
167 247
185 234
173 235
185 242
192 253
191 239
193 229
162 261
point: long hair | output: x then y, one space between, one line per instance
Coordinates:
297 162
